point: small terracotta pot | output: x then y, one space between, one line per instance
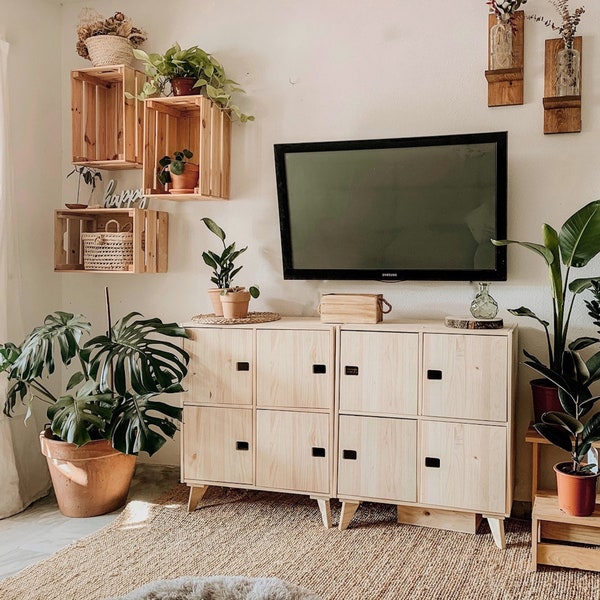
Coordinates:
545 398
576 493
215 298
235 304
186 182
89 480
184 86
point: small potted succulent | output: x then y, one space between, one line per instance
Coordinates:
227 301
108 411
189 71
178 171
108 41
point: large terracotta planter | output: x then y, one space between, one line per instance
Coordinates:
235 304
545 398
576 493
90 480
187 181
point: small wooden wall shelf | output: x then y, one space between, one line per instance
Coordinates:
505 86
194 122
150 237
562 114
107 127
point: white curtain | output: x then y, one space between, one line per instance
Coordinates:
23 475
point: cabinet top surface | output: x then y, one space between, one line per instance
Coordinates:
400 325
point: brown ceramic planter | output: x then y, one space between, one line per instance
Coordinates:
235 304
184 86
90 480
545 398
215 298
576 493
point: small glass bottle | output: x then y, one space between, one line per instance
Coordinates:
568 72
501 43
483 305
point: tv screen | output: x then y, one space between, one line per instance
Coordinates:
422 208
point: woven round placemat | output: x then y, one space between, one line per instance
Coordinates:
253 317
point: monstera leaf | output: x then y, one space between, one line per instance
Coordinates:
135 360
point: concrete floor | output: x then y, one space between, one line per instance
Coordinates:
40 530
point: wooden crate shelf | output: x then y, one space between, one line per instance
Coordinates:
505 86
194 122
107 127
562 114
150 237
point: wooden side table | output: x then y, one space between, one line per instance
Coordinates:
550 526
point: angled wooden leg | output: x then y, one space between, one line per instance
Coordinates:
196 494
535 538
325 508
497 528
348 510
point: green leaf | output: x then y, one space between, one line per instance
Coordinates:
212 226
567 422
526 312
579 238
555 435
254 291
537 248
551 244
75 379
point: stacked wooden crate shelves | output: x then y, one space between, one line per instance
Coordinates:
107 126
194 122
150 237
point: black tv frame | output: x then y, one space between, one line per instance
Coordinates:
499 273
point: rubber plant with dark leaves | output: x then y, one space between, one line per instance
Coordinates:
112 394
568 430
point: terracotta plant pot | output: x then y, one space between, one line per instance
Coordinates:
545 398
235 304
186 182
576 493
184 86
90 480
215 298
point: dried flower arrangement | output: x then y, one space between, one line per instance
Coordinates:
504 7
569 23
91 23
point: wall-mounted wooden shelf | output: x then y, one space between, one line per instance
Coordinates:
505 86
107 127
562 114
150 237
194 122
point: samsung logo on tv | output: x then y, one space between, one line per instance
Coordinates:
395 275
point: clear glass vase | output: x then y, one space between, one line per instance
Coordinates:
483 305
501 44
568 72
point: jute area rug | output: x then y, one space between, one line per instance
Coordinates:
260 534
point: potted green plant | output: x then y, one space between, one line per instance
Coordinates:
107 41
89 177
577 243
224 270
108 412
576 479
179 171
189 71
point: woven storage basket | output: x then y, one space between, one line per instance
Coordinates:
109 50
107 250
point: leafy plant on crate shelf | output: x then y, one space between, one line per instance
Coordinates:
89 177
179 171
107 413
228 301
189 71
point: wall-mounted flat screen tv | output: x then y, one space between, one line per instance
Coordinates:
418 208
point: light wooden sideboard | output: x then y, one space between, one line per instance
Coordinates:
413 414
259 412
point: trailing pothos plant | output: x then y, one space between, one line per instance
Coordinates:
112 393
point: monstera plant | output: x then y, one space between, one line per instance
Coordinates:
109 403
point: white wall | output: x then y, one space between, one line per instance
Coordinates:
333 69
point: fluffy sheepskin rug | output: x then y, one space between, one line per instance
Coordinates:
219 588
